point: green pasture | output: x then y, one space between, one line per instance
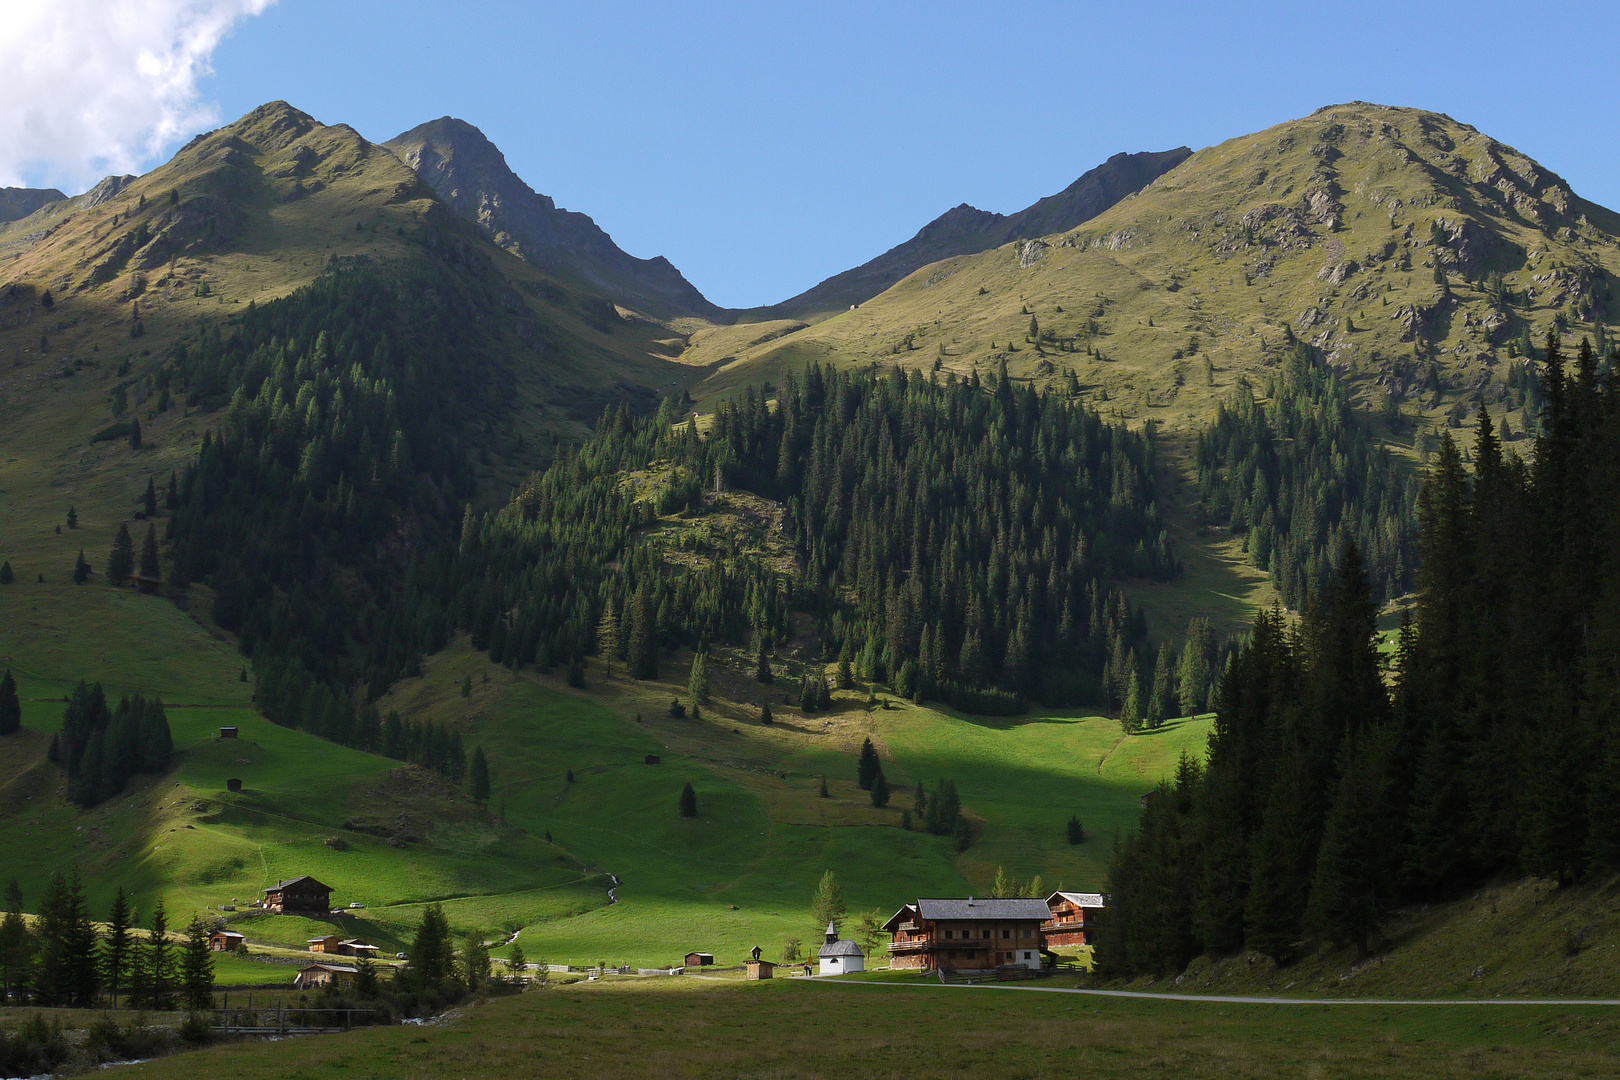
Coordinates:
743 871
794 1028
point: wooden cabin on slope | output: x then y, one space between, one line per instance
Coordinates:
299 896
1073 920
967 935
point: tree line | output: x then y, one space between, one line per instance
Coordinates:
63 960
1331 795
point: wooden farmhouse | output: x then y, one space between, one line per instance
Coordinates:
1074 919
336 946
226 941
299 896
967 935
316 975
839 957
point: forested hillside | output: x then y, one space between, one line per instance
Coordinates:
1330 797
1301 476
958 541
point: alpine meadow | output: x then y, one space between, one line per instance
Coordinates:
415 607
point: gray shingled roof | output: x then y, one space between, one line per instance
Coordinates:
840 948
953 910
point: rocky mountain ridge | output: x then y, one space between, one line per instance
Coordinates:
967 230
19 202
471 175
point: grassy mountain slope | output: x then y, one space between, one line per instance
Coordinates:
965 230
1330 228
388 836
743 872
471 175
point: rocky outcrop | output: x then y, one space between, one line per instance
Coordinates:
966 230
471 175
17 203
104 190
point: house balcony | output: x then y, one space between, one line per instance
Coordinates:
914 945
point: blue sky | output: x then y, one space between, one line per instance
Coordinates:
762 147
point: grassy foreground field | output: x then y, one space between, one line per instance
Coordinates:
791 1028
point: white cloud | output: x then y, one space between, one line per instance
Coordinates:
92 87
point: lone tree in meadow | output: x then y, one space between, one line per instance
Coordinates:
10 705
121 563
688 801
867 772
828 905
81 569
432 963
6 576
73 518
1075 832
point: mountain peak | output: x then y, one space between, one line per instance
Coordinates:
470 173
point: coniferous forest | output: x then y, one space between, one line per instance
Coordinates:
1300 477
1332 794
957 541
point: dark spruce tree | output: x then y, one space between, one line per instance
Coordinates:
868 766
121 562
10 705
688 801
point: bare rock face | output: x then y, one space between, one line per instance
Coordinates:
1030 252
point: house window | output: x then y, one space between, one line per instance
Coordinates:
986 933
1005 933
1026 956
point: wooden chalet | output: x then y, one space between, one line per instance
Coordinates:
967 935
229 732
1074 919
699 959
326 975
299 896
327 944
226 941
